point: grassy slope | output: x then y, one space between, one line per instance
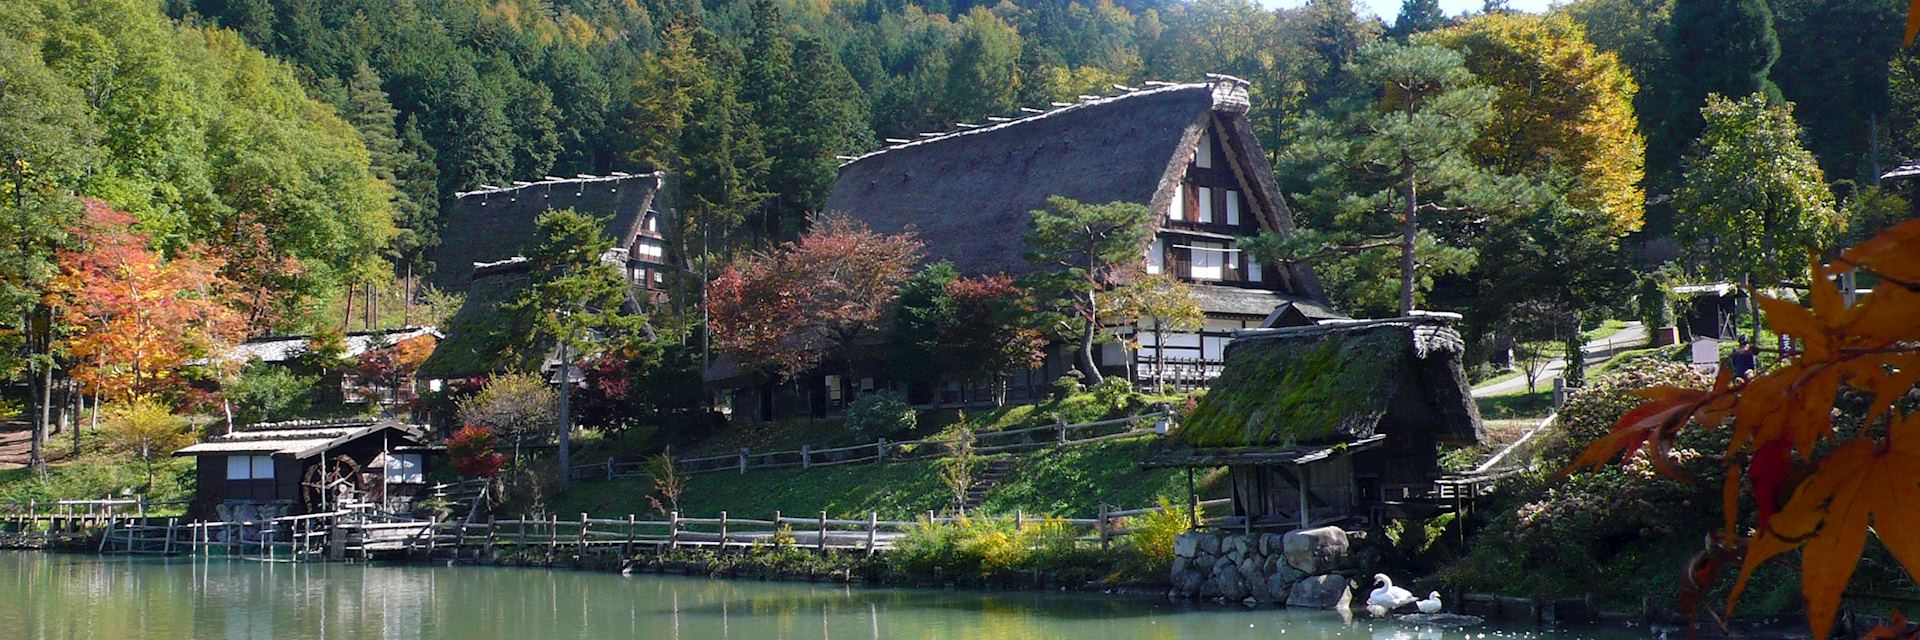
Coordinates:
1071 482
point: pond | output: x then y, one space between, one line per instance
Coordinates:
47 596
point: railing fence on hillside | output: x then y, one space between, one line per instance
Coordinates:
1059 434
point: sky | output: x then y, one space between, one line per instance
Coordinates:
1387 9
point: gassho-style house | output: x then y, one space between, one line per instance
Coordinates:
1186 151
483 254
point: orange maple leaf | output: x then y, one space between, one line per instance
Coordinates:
1861 483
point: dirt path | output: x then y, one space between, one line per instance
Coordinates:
15 443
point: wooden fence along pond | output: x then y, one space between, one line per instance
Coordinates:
114 527
881 450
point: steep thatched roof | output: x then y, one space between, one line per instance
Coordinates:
1338 382
480 332
969 192
494 224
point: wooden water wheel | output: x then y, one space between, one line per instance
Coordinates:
329 483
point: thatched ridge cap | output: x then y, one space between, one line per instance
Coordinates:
548 181
1028 115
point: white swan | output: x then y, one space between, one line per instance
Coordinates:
1388 596
1431 604
1376 611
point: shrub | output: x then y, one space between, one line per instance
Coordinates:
267 392
1150 544
1594 532
517 406
472 452
1068 386
880 413
1113 392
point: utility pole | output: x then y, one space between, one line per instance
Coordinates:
566 412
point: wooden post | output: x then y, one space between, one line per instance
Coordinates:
1193 503
1060 428
521 525
723 530
609 468
1306 480
823 532
880 450
806 456
105 537
873 529
553 532
142 502
743 459
493 530
627 549
1103 526
583 532
673 530
1019 519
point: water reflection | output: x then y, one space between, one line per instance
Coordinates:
61 597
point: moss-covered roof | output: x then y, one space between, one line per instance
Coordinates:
1336 383
481 336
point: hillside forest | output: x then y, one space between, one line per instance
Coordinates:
284 156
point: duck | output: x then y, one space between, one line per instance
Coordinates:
1388 596
1431 604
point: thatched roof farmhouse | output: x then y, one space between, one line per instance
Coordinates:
1185 151
490 230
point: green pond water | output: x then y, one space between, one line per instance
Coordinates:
46 596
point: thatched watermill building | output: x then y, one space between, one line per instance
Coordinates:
1331 423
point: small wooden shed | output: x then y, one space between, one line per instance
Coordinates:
269 470
1324 424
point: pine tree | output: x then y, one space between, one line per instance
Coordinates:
1417 16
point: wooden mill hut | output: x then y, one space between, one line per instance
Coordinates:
1324 424
269 470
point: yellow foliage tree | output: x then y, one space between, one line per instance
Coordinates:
146 430
1564 107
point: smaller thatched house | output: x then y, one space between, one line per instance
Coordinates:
482 253
269 470
1320 424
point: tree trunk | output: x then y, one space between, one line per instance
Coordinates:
1085 356
1409 228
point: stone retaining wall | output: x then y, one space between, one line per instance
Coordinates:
1302 568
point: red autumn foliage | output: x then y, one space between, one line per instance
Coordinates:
783 310
471 449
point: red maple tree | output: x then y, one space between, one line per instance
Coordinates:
134 317
784 310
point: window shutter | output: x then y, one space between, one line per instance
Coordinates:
1177 209
1233 207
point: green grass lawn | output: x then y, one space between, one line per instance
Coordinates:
1516 405
1069 482
98 476
1606 328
